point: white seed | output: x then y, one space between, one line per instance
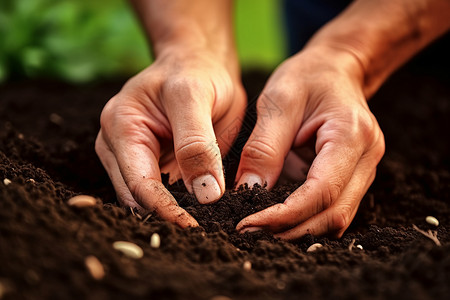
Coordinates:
247 265
432 220
155 240
6 181
359 247
31 180
314 247
82 201
94 267
129 249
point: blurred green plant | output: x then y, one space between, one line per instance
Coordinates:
84 40
260 36
74 40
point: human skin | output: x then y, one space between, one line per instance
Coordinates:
167 117
322 94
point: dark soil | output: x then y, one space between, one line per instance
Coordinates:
47 132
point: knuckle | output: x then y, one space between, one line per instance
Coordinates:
380 148
98 146
259 150
331 192
281 96
196 151
107 114
339 220
182 88
367 125
359 125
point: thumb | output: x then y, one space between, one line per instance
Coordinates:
263 155
195 146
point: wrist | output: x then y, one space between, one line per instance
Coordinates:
334 61
192 55
383 34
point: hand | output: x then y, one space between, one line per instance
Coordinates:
165 119
315 97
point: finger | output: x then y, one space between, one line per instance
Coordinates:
309 199
140 171
110 164
264 153
328 176
196 149
137 154
336 219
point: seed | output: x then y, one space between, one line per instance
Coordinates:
155 240
432 221
31 180
314 247
129 249
359 247
82 201
6 181
247 265
94 267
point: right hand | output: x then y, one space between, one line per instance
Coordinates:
166 119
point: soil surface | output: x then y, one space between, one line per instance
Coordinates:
47 133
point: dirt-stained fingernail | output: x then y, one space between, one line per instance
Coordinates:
250 179
206 189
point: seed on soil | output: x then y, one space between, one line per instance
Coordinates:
247 265
314 247
82 201
359 247
94 267
6 181
129 249
31 180
432 221
155 240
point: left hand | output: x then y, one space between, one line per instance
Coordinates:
315 96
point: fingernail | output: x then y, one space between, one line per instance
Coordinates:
250 229
206 189
250 179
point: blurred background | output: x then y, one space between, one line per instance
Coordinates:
79 41
85 40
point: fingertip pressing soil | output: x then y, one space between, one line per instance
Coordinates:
47 134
